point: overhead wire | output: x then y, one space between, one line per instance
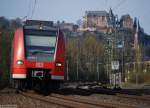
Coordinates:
29 9
33 9
106 2
119 4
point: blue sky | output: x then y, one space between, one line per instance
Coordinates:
72 10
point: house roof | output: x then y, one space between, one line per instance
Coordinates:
125 16
96 13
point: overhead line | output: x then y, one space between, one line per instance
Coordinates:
29 9
33 9
119 4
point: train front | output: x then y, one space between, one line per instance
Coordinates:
39 55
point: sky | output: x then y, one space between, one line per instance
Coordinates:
73 10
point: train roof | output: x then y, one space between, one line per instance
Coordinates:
38 22
39 25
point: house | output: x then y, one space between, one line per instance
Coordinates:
126 22
100 20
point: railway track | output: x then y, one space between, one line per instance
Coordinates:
72 102
8 91
139 98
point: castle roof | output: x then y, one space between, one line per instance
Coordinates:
96 13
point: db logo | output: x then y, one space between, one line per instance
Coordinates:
39 65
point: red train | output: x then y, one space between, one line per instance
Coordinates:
38 56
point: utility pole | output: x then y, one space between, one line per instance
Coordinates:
77 62
123 43
77 70
67 71
98 70
115 57
137 67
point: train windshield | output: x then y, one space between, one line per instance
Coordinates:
40 45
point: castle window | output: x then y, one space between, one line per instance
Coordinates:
103 18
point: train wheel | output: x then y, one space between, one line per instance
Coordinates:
15 84
44 87
29 84
19 84
55 85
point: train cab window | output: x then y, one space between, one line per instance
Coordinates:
43 41
40 45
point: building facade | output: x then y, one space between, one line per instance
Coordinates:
126 22
104 21
100 20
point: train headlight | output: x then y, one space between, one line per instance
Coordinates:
59 64
19 62
41 27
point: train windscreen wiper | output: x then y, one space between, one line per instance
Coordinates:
41 51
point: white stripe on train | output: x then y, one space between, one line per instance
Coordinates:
22 76
57 77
